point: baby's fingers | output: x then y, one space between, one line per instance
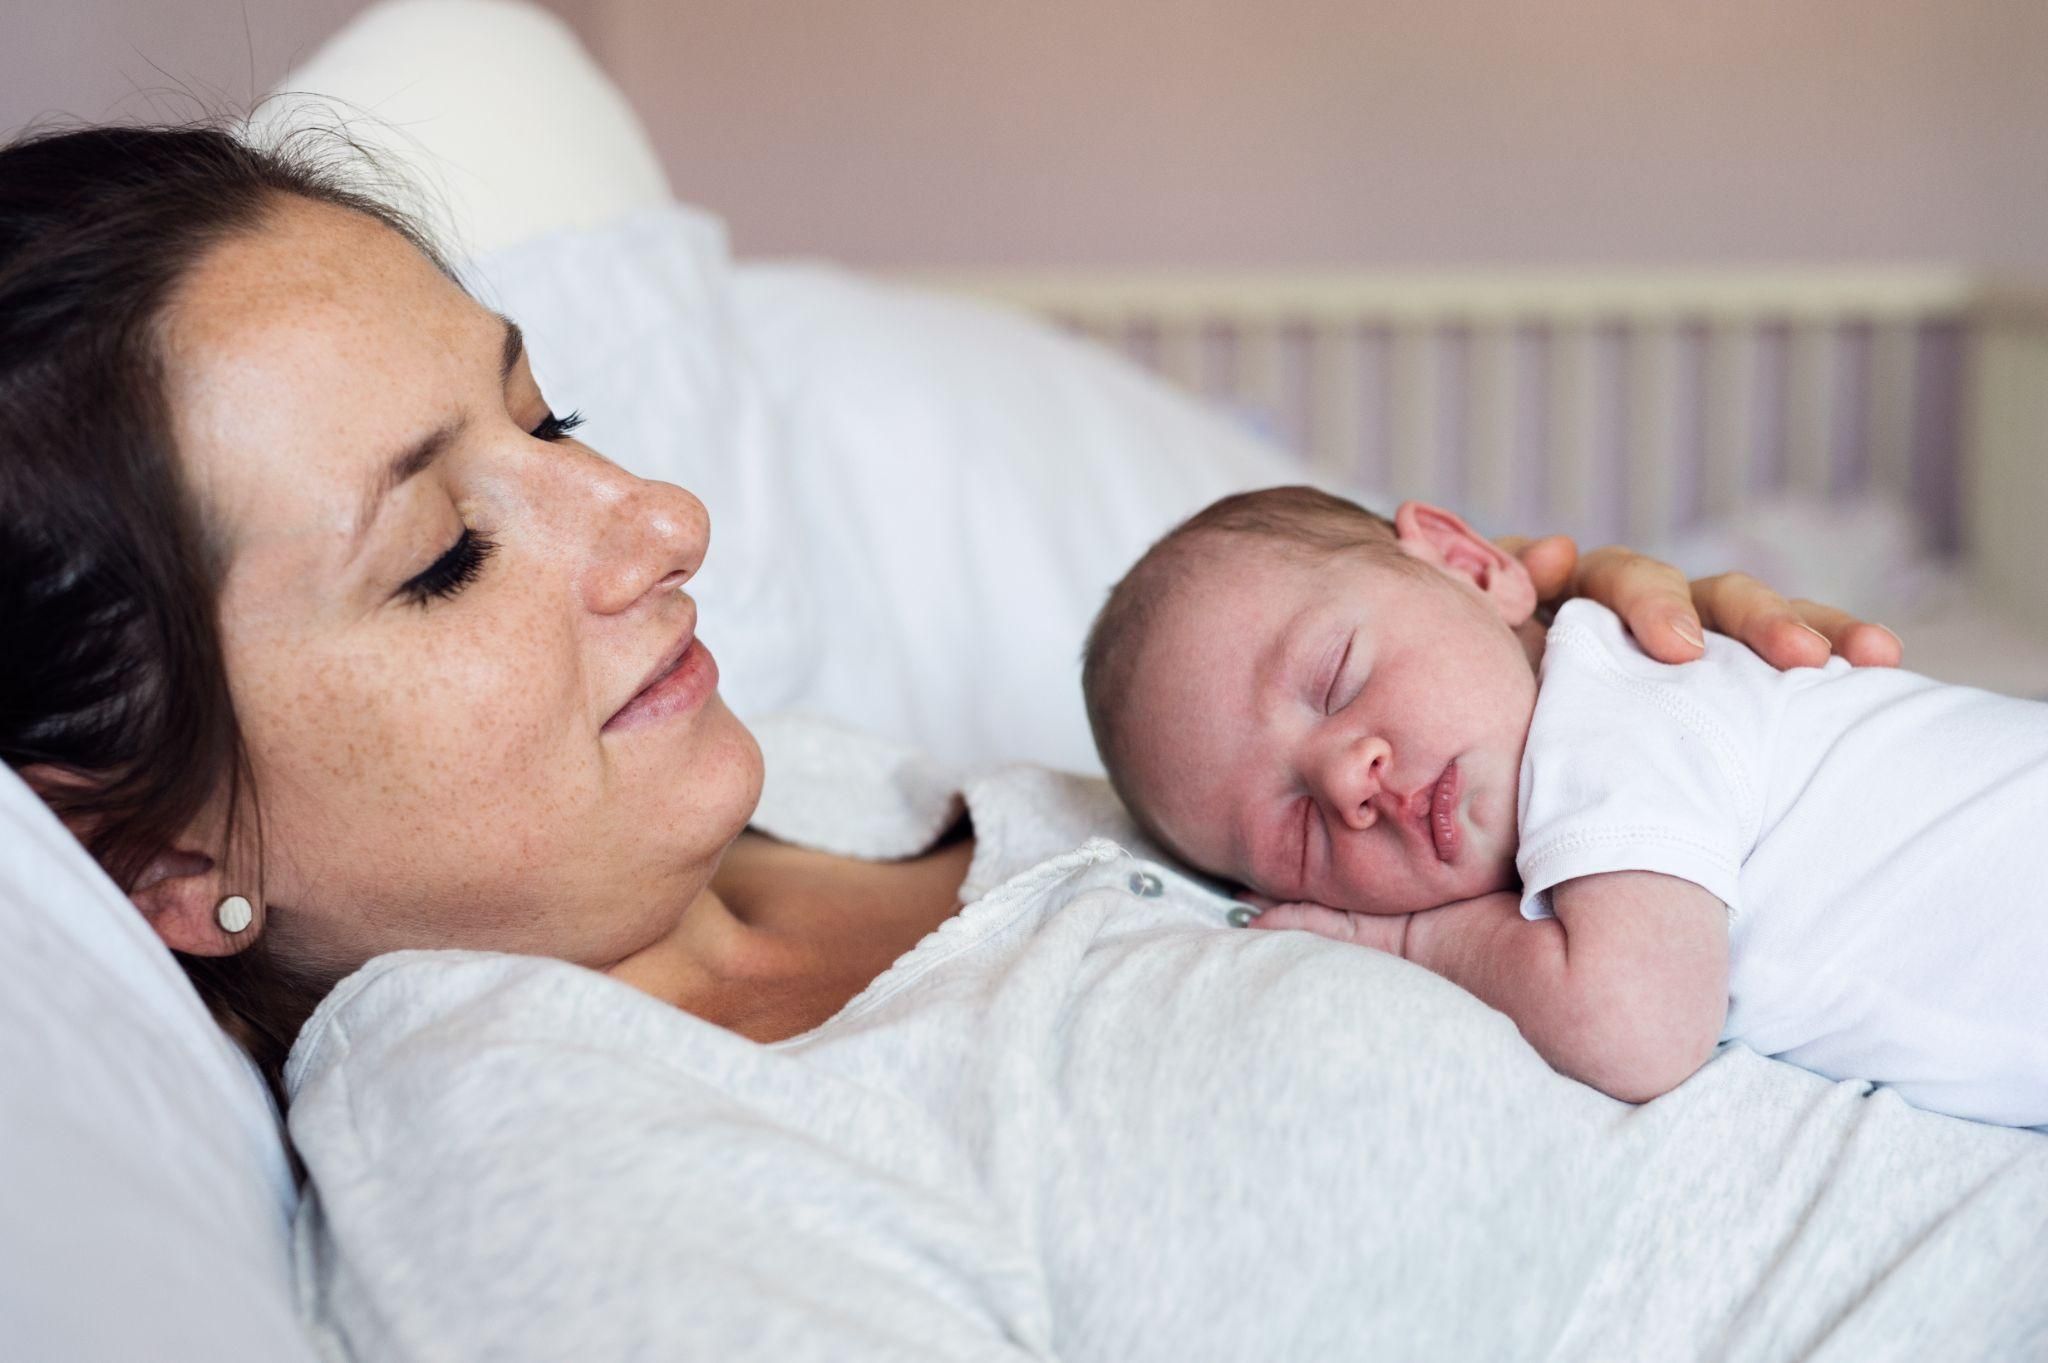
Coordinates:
1319 919
1377 931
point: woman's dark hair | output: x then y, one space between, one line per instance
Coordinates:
115 682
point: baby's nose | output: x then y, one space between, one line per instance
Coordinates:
1357 778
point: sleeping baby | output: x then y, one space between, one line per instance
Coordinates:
1362 722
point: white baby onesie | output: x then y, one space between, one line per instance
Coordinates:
1876 836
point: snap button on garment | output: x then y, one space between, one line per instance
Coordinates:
1242 916
1146 885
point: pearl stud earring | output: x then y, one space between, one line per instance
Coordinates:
234 914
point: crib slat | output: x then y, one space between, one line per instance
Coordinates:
1894 360
1336 394
1417 465
1730 416
1653 431
1490 473
1261 380
1181 353
1810 407
1571 402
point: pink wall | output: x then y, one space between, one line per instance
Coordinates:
1223 132
163 59
1389 131
170 59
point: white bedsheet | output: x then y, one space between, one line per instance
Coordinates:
1086 1120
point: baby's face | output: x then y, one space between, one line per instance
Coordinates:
1332 729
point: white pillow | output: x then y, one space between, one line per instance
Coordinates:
492 108
969 483
147 1192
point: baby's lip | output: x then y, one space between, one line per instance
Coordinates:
1411 809
1441 813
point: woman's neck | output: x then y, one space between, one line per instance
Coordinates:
785 936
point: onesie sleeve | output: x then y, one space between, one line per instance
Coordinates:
1636 765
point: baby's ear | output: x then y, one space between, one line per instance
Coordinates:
1440 539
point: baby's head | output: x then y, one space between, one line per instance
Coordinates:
1304 698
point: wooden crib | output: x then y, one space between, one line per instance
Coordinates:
1617 405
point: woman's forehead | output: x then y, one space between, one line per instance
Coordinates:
298 355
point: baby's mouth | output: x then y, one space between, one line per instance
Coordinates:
1445 834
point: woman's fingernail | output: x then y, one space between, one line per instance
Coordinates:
1822 637
1689 632
1895 637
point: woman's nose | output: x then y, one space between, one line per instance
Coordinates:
649 533
1353 772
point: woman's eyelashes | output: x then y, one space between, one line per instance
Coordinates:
464 559
553 428
451 572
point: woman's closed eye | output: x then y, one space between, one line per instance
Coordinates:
464 559
451 572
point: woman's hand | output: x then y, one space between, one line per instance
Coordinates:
1666 613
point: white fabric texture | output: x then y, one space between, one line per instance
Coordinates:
147 1194
1084 1120
1872 832
968 485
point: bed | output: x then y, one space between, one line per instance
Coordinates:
848 433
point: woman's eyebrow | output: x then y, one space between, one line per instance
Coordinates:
420 455
515 345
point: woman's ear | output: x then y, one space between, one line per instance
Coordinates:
179 892
1440 539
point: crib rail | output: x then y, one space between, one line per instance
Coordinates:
1617 405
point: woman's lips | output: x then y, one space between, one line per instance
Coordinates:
1444 830
682 688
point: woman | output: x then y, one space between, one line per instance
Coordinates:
334 641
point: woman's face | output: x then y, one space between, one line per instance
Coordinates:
441 617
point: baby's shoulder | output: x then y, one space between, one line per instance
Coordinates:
1588 639
1594 672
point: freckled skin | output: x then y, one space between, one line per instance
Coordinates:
438 776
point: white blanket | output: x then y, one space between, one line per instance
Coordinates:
1085 1119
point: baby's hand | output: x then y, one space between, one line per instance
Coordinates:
1380 931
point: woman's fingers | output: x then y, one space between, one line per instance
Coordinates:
1549 561
1743 608
1862 643
1650 596
1666 614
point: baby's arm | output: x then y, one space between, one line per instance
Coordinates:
1626 989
